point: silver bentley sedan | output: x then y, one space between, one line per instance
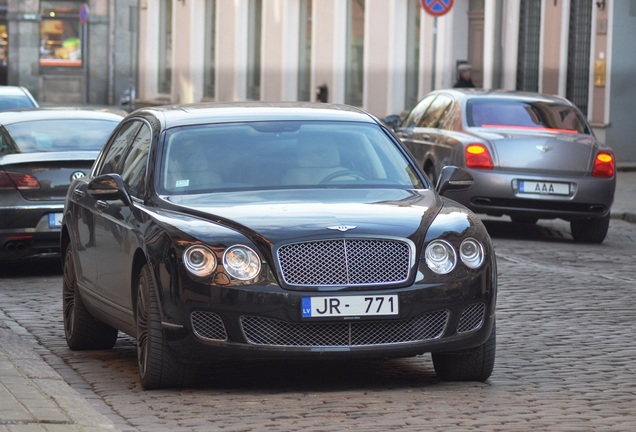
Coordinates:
532 156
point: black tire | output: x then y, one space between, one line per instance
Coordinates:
590 230
82 330
473 365
158 365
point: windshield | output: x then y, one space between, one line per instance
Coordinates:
282 154
60 135
524 115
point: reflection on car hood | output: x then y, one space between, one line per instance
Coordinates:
289 214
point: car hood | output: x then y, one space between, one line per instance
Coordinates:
285 215
561 153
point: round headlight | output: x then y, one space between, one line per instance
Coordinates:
471 253
199 260
440 257
241 262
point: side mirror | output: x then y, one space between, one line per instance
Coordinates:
109 187
393 121
455 179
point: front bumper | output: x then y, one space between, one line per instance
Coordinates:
206 322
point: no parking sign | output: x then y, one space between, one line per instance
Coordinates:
437 7
83 13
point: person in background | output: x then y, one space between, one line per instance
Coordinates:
464 76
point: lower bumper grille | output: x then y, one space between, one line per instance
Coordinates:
208 326
267 331
472 318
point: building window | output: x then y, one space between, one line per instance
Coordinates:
210 42
355 52
60 33
254 37
412 80
304 53
578 73
165 47
529 43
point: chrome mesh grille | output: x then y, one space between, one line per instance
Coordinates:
472 318
267 331
208 326
345 262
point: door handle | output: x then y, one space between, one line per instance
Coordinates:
102 205
78 193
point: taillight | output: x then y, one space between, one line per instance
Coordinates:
604 165
478 157
11 180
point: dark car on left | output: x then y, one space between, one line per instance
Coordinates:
41 151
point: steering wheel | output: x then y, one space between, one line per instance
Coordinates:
343 173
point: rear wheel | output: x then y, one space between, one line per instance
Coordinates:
82 330
472 365
158 365
590 230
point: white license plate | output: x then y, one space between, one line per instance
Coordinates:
55 220
349 306
543 188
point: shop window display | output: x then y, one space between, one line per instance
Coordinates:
60 34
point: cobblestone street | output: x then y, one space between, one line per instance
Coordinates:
565 358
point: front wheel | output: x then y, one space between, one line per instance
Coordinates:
81 329
472 365
158 365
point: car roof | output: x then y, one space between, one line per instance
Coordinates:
228 112
472 93
12 90
59 113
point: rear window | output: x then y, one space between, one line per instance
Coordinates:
60 135
15 102
524 115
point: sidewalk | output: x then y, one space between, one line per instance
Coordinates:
35 398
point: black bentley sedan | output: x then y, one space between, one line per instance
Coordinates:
218 231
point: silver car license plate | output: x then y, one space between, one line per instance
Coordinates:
349 306
543 188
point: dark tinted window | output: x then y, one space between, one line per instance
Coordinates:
524 115
60 135
136 162
416 113
435 111
109 161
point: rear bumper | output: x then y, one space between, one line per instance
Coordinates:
494 193
26 232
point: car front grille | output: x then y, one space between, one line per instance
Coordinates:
272 332
345 262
